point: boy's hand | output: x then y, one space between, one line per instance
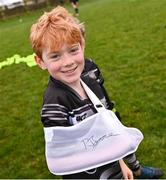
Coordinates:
127 173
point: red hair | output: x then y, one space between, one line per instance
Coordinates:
55 28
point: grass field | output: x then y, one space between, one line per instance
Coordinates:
127 40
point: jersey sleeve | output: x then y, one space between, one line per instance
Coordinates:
54 111
54 115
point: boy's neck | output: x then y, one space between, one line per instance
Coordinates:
79 89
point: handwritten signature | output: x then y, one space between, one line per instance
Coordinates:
92 142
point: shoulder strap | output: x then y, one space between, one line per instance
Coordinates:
95 100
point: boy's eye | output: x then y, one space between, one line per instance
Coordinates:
55 57
74 50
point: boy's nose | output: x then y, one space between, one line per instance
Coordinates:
67 60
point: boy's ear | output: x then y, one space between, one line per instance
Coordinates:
40 63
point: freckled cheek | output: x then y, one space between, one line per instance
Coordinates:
80 59
54 68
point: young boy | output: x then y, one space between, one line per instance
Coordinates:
58 41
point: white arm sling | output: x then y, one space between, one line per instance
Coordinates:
98 140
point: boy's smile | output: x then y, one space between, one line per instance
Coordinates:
65 65
70 71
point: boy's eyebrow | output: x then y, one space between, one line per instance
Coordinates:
54 52
58 51
76 44
73 45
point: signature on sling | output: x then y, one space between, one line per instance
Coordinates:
92 142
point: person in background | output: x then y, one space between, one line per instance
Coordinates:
58 40
75 5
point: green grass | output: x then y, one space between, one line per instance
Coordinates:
127 40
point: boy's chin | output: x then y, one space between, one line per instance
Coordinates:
71 81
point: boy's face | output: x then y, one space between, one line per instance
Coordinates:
65 64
